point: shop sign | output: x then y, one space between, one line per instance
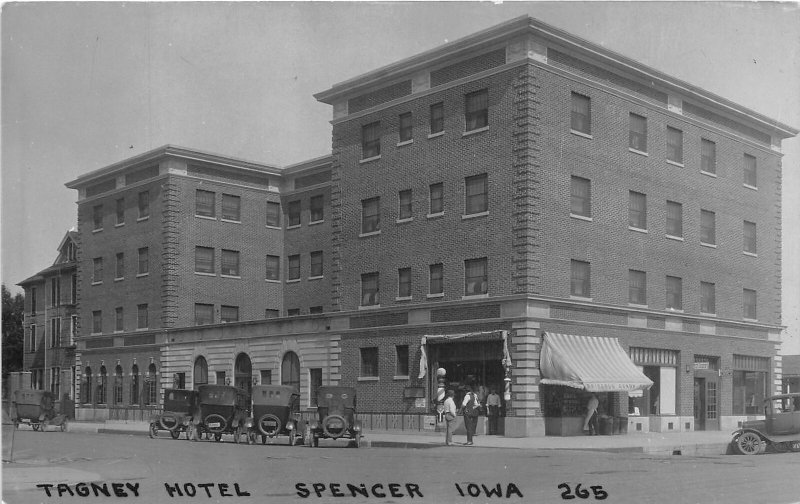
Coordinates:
700 365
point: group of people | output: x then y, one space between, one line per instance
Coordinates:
470 409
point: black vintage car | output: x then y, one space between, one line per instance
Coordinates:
36 408
222 409
276 411
336 408
180 407
779 431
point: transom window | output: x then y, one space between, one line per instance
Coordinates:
476 200
476 110
581 196
204 203
371 215
231 207
637 133
370 289
475 277
580 114
371 140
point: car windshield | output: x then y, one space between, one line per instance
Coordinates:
218 396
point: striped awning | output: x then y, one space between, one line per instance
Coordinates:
594 364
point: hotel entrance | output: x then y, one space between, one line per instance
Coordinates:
706 393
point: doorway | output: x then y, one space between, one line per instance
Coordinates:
705 403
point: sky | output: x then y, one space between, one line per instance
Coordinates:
85 85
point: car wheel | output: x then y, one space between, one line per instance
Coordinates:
748 443
175 433
35 426
153 431
251 438
217 437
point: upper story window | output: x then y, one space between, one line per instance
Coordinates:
580 114
674 219
405 201
674 145
32 342
750 237
293 272
749 302
708 156
674 293
637 287
708 227
371 140
120 211
437 118
476 277
97 322
203 314
144 204
708 298
73 295
144 261
401 360
477 197
436 198
317 260
293 213
750 171
476 110
637 210
97 272
580 279
230 263
204 260
273 267
637 133
204 203
371 215
370 289
436 277
369 362
581 196
229 313
273 214
317 208
404 282
142 318
55 291
119 272
119 319
231 208
33 300
97 217
406 127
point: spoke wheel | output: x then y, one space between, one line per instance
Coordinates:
749 443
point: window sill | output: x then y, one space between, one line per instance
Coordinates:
751 254
636 151
140 275
119 224
436 135
746 319
293 280
672 237
231 221
638 230
674 310
637 305
405 142
314 223
475 215
141 219
370 159
271 280
675 163
318 277
435 215
369 307
293 226
98 230
581 134
581 217
435 296
119 279
475 296
205 273
368 378
142 328
748 186
97 283
230 276
400 377
206 217
268 226
580 298
371 233
708 174
404 221
709 245
708 314
404 298
475 131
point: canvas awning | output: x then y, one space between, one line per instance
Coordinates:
463 337
594 364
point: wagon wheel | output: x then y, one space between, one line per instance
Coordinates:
153 430
175 433
358 439
217 436
748 443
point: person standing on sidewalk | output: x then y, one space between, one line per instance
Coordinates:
591 424
493 410
470 408
450 417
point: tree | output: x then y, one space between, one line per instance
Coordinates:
13 334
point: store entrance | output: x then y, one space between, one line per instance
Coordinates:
705 403
474 363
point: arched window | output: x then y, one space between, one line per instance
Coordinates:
200 376
135 384
86 396
118 385
290 370
150 385
102 385
243 372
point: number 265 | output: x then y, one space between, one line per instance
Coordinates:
583 493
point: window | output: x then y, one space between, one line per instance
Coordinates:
475 277
97 217
406 127
404 283
86 392
97 322
144 261
637 210
708 156
405 204
120 211
436 279
55 381
581 114
179 380
293 312
637 133
581 200
73 329
55 291
476 110
316 263
674 219
401 360
437 198
142 317
708 298
317 208
437 118
708 227
119 324
273 267
204 204
674 293
230 263
294 267
749 304
750 171
637 287
203 314
204 260
290 370
118 385
315 309
370 289
144 205
369 362
750 384
231 208
371 140
220 378
33 300
294 213
97 272
73 289
750 237
674 145
33 341
135 384
371 215
580 279
120 266
229 314
55 332
271 313
151 385
200 374
314 383
266 377
102 385
477 197
273 214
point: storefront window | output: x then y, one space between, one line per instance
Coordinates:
749 392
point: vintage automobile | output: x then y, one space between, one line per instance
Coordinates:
336 408
221 409
36 408
180 407
779 431
276 411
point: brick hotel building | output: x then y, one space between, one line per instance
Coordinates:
519 208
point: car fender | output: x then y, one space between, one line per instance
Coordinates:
764 437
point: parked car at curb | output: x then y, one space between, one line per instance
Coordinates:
779 430
276 412
180 407
336 410
221 409
37 409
